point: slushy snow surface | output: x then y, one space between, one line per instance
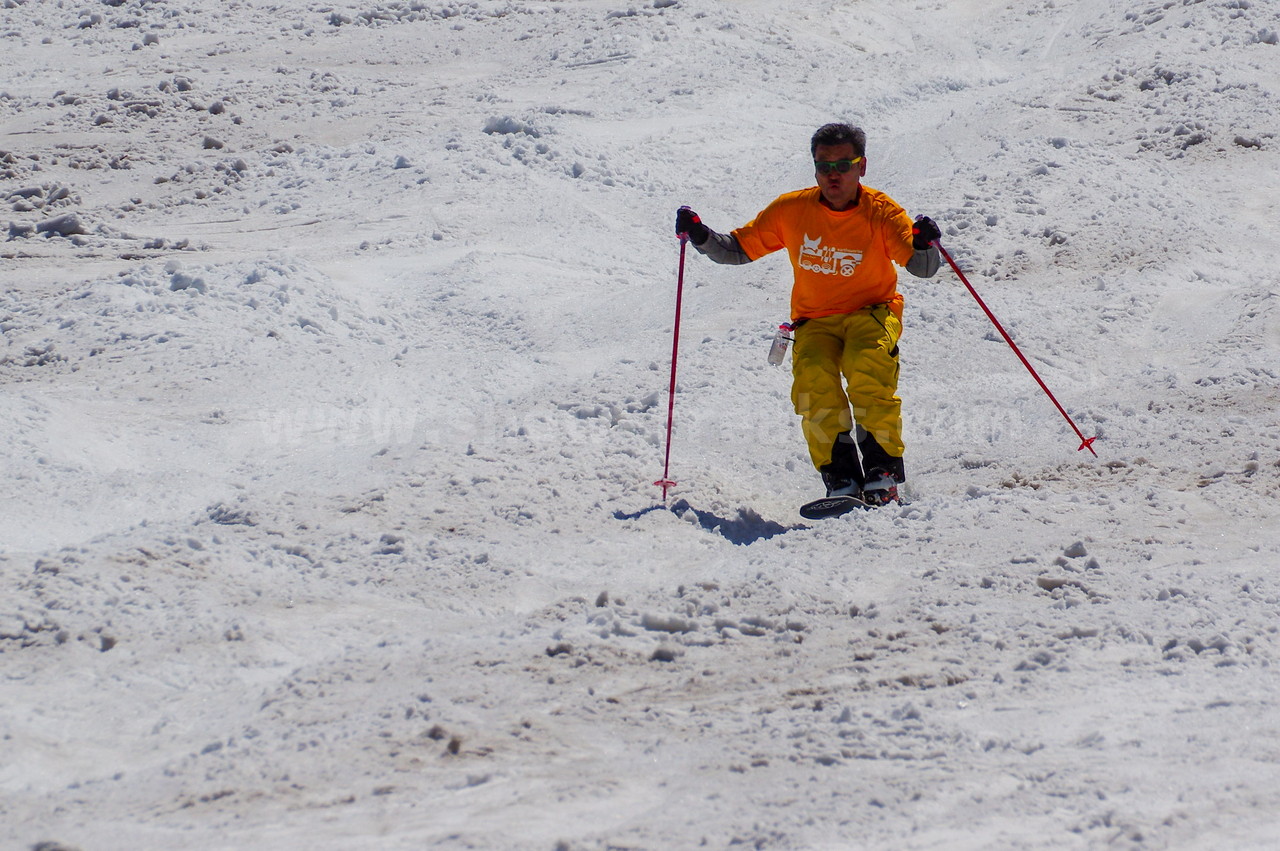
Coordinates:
336 346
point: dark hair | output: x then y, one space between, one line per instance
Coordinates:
840 134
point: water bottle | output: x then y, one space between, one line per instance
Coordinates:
779 348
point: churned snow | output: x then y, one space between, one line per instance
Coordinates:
336 347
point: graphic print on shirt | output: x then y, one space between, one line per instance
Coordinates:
826 259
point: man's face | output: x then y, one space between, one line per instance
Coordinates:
839 188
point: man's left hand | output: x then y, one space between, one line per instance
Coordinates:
924 232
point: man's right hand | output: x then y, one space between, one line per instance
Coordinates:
687 222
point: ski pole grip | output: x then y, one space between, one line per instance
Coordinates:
684 234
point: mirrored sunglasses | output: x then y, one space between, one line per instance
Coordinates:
839 165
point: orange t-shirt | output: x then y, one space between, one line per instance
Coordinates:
843 261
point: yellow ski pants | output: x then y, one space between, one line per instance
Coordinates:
863 348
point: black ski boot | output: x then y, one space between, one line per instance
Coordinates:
884 472
843 476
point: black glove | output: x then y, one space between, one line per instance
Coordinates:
687 222
924 232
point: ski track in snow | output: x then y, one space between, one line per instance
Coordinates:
336 341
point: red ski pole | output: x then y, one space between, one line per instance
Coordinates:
665 482
1086 442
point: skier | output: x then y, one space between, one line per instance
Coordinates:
843 239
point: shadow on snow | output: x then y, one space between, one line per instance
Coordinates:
746 528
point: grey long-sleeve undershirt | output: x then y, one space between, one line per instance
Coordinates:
724 248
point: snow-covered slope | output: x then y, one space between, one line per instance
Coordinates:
336 341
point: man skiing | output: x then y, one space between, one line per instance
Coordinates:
843 239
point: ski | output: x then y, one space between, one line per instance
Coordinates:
831 506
